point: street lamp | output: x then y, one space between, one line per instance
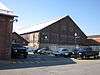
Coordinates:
46 37
75 35
16 20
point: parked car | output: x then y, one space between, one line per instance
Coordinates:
63 52
84 53
30 49
18 51
43 51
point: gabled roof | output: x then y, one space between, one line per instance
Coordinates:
5 11
14 33
40 26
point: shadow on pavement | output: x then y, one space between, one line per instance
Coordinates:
35 61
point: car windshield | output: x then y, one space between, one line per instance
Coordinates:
64 50
79 50
16 45
88 49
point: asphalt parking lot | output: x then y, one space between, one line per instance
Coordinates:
35 61
49 65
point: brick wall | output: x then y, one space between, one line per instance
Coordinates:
62 33
5 36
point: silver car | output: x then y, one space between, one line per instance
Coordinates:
62 52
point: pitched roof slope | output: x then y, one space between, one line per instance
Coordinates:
13 35
5 11
39 26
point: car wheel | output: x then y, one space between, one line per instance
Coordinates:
96 57
83 57
65 56
25 56
56 54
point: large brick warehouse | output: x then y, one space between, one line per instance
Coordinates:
6 24
62 32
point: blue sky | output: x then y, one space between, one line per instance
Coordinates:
86 13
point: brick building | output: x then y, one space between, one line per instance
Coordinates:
95 37
94 42
16 38
6 24
56 33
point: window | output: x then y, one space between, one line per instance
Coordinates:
64 49
44 36
64 28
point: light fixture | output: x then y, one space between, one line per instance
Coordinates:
75 34
16 20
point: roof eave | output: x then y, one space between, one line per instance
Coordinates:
30 32
12 15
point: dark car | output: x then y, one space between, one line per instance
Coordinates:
63 52
85 53
18 51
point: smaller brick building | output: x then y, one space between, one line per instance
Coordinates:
16 38
95 37
94 41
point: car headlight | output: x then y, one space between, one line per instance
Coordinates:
80 53
72 52
15 50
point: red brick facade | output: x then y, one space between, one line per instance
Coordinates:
93 40
5 36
